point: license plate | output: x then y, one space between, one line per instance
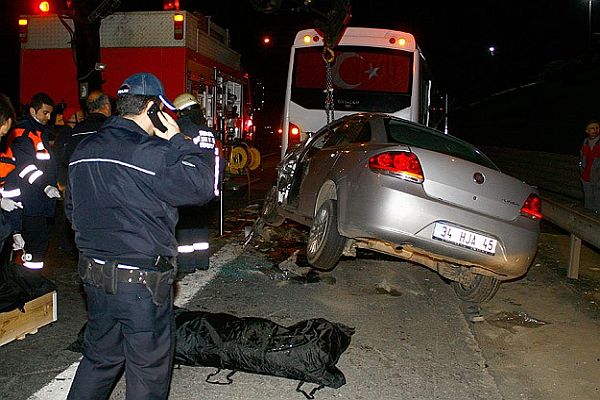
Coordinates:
464 238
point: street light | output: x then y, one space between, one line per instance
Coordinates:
589 24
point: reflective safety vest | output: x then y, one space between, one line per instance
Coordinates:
7 165
41 153
30 172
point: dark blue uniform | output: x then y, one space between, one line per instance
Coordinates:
192 229
35 170
124 189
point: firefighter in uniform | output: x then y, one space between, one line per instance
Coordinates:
192 230
35 175
9 201
125 183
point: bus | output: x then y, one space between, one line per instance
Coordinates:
374 70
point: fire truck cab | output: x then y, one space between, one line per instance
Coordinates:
185 50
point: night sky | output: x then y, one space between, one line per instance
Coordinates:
454 37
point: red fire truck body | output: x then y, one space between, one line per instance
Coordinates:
185 50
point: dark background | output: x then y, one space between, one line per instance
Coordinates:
535 40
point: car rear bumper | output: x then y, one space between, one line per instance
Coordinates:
407 218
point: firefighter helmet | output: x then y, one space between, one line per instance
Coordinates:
184 101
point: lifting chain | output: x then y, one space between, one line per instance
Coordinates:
328 57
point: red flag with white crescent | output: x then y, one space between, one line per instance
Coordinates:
374 71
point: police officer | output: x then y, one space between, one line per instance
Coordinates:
35 170
192 230
124 186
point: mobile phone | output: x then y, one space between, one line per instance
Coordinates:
153 114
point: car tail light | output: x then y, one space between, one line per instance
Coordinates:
532 207
403 164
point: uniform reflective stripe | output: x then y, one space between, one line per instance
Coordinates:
33 177
217 171
83 133
108 160
190 248
33 265
8 194
120 266
42 155
39 146
189 164
26 170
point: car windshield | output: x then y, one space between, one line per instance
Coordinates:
413 135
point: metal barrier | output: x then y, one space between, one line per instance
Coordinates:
582 224
557 178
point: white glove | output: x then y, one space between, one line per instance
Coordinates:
52 192
18 242
205 140
10 205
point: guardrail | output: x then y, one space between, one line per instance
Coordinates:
557 178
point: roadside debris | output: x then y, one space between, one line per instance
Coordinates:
509 320
289 270
384 287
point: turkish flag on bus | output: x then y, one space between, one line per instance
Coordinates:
373 70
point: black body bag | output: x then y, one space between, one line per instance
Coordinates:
307 351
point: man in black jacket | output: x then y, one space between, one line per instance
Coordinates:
99 109
35 173
124 185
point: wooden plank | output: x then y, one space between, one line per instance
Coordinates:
574 256
15 325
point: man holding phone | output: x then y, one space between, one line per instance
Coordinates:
125 184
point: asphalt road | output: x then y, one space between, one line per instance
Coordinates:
413 340
537 339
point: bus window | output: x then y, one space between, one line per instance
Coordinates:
364 79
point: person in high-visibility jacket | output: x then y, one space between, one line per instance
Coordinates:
192 229
9 201
35 173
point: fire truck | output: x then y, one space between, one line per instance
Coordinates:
186 50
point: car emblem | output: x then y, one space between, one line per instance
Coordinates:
478 178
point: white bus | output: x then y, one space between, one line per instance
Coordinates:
376 70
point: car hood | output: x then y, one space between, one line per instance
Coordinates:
472 186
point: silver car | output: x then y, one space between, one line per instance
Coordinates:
377 182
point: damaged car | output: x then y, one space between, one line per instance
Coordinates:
381 183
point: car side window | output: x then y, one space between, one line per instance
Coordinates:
350 131
412 135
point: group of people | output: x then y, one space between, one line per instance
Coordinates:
123 178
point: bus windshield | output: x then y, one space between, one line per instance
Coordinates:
364 79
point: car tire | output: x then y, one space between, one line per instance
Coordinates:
269 211
482 289
325 245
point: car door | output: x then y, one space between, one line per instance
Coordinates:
318 161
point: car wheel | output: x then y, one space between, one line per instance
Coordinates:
481 289
269 211
325 245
